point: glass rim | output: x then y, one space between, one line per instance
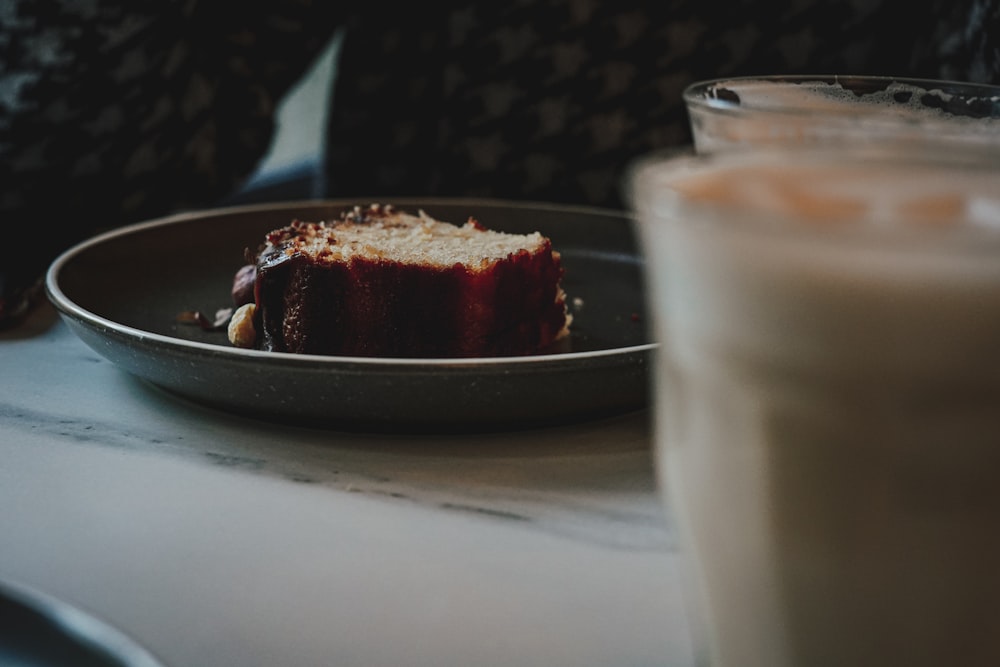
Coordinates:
709 93
650 176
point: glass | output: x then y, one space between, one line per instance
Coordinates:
753 111
828 400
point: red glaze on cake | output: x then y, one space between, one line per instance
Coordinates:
380 282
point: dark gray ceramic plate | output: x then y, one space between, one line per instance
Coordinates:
38 630
121 292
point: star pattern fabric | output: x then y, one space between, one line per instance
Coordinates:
112 111
549 100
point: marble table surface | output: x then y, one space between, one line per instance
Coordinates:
216 540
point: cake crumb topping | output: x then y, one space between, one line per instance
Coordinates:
383 233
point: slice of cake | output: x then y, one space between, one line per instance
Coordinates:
382 282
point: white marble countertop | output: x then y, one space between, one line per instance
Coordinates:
216 540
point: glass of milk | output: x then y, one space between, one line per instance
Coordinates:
828 400
751 111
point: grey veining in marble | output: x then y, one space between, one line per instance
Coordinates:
504 530
591 481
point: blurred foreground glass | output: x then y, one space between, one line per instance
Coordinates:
828 401
751 111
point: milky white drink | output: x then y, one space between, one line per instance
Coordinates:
741 112
828 412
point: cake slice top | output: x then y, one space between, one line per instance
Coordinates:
383 233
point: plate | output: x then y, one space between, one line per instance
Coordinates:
121 292
38 630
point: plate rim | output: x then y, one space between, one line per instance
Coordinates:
78 625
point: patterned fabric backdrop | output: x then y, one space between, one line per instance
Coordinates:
114 111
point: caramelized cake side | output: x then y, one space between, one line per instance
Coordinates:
381 282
